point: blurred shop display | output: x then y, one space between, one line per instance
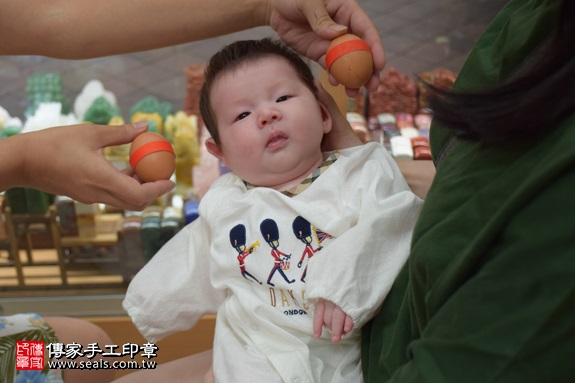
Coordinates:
95 240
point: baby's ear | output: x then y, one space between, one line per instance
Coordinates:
326 119
214 149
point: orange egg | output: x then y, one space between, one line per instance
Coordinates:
349 60
152 157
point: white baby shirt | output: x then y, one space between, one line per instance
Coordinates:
260 258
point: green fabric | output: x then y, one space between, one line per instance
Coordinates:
518 28
488 294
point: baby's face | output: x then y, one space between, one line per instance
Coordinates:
270 124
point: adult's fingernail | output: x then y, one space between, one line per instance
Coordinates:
338 27
140 124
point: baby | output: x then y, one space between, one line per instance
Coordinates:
295 249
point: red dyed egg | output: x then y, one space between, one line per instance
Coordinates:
349 60
152 157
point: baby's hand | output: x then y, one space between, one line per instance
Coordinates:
326 312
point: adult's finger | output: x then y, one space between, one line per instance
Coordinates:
320 21
144 194
125 192
111 135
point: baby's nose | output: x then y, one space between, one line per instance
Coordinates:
269 117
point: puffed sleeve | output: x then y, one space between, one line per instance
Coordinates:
372 242
173 291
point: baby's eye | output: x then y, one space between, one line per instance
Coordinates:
282 98
243 115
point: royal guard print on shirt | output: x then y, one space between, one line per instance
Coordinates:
270 232
238 241
303 231
297 237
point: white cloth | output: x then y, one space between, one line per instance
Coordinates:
263 332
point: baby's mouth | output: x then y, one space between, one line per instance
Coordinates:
276 140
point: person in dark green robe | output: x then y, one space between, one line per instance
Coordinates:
488 293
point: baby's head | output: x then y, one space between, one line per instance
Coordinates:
260 105
236 54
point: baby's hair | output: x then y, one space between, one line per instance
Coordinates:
231 56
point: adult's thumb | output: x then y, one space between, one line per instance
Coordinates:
122 134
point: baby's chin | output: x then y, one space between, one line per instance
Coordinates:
287 175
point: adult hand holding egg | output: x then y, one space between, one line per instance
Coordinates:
306 25
68 161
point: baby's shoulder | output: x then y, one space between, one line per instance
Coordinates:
223 189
